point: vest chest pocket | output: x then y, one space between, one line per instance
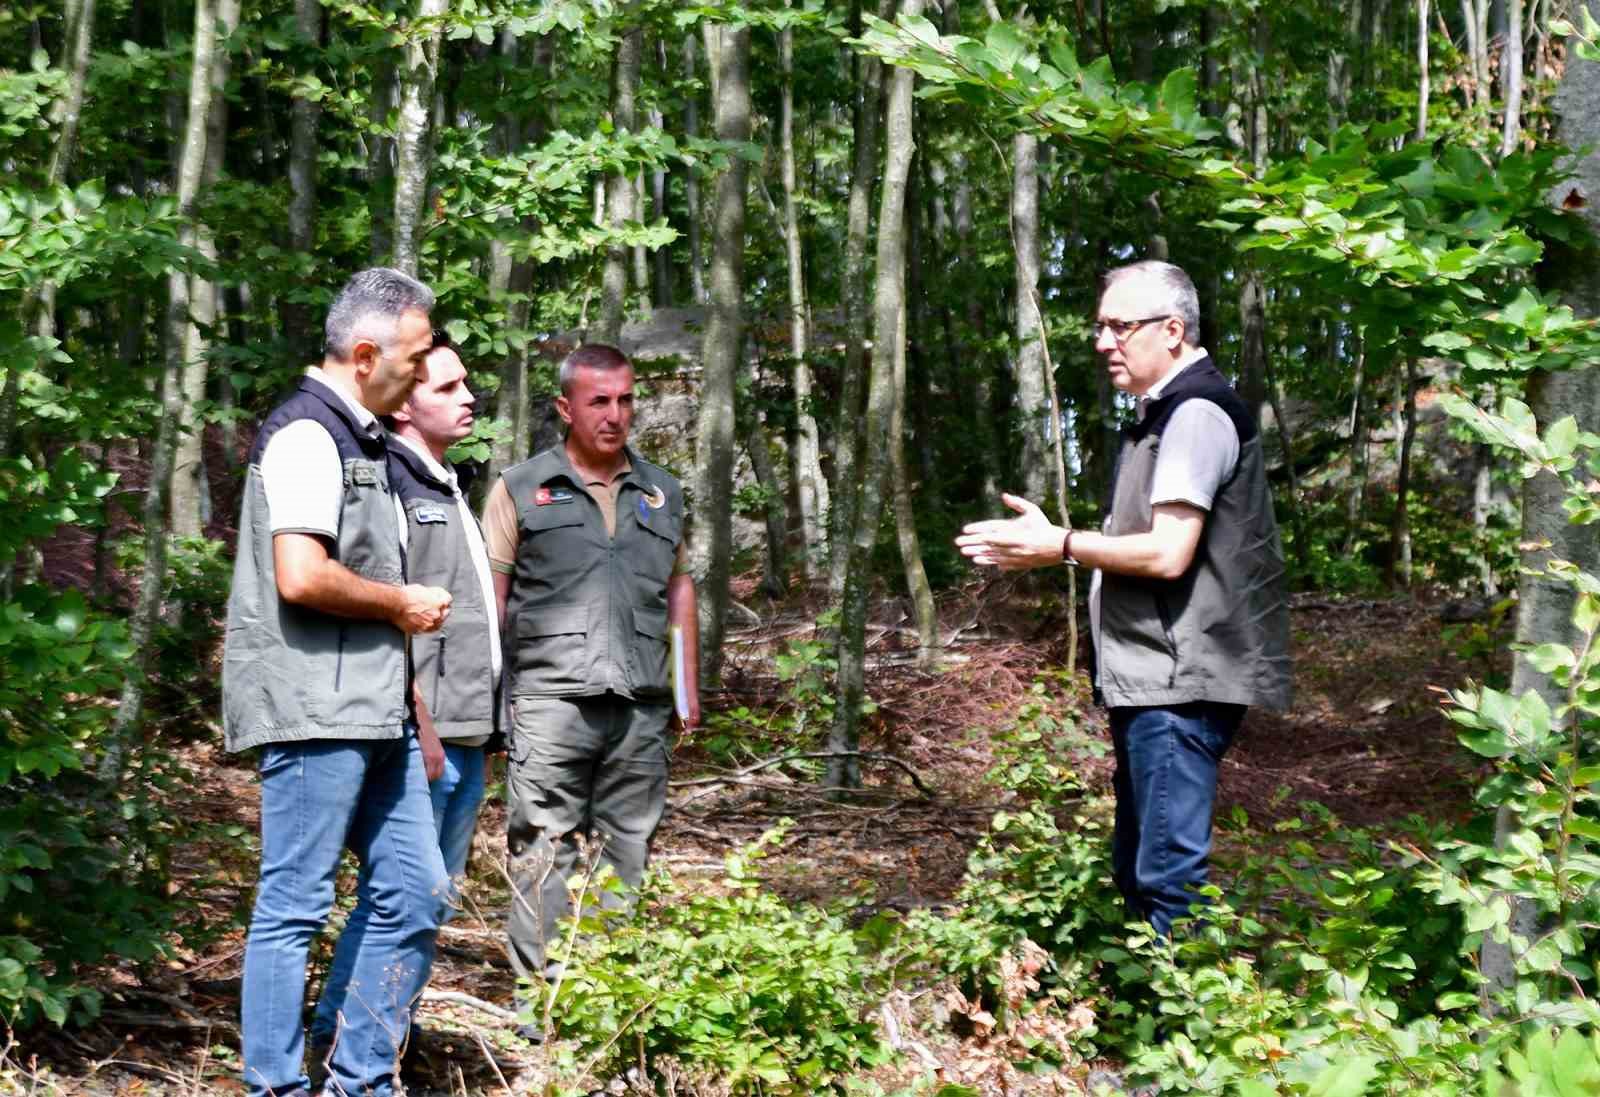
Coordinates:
552 647
369 531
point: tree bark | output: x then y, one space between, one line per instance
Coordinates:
1544 607
191 162
888 304
620 192
1511 79
1355 500
812 488
1422 70
413 154
191 493
722 349
905 515
1399 571
691 180
852 291
773 512
1032 410
304 114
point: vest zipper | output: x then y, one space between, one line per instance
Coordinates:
438 676
1172 643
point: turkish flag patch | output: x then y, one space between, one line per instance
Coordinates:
541 498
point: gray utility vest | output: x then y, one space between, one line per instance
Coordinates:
1219 632
291 673
587 613
454 667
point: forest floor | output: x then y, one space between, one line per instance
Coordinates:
1365 739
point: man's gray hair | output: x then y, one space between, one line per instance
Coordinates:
1172 292
369 307
596 356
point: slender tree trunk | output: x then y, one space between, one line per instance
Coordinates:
775 581
1422 70
691 180
889 303
191 493
381 159
1032 412
1400 525
191 163
619 189
304 113
413 154
1286 440
724 340
812 487
905 515
661 287
852 290
1355 500
641 258
988 422
1482 504
1511 79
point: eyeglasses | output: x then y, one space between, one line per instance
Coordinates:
1121 329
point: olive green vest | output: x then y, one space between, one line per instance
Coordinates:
587 613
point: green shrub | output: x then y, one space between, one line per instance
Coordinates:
771 998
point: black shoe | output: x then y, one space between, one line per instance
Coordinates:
532 1033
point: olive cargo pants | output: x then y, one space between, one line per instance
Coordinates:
582 768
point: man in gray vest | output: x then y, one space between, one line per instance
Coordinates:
314 674
457 668
586 542
1187 603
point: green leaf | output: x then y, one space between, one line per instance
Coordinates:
1346 1078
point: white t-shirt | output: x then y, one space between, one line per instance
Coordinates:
301 471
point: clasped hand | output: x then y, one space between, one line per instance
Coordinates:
1013 544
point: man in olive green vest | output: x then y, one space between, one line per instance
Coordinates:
586 543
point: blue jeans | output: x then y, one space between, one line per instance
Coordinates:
1166 785
456 795
317 798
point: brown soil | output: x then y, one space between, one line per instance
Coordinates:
1366 739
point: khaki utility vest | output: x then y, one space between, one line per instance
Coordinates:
291 673
587 613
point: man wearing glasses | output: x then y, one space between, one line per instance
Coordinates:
1187 603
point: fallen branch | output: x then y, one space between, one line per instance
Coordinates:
156 1020
865 755
455 997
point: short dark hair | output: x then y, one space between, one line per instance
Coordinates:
597 356
441 340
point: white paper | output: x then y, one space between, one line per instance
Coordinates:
680 692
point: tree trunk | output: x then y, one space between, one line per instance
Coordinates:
641 258
843 769
191 492
1400 524
691 179
723 344
1511 79
1544 607
1355 500
304 113
381 160
619 187
775 514
1032 412
661 287
852 291
413 154
1422 70
812 488
905 515
191 162
1482 504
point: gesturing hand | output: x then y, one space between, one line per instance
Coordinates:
1013 544
422 609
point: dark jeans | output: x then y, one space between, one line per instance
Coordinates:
1166 784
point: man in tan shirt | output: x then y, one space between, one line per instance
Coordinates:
586 544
